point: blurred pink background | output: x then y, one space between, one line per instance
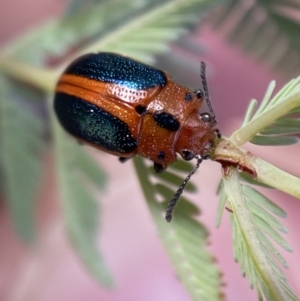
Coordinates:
134 254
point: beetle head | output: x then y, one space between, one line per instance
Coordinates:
197 136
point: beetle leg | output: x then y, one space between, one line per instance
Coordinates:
123 159
218 133
159 168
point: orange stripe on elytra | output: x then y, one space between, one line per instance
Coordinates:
120 92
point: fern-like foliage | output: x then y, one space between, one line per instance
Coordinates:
83 23
265 28
254 223
137 28
21 143
141 28
254 227
276 120
185 238
284 130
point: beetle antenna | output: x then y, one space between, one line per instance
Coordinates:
205 88
173 202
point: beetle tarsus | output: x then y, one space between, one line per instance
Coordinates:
159 168
218 132
123 159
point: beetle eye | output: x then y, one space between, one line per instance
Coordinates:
187 155
206 117
199 94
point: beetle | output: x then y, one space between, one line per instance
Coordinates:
126 108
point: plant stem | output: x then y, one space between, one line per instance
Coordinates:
244 134
42 78
277 178
229 154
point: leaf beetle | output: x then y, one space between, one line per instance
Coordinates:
127 108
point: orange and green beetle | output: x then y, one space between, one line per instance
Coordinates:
128 108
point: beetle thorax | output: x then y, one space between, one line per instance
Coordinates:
196 136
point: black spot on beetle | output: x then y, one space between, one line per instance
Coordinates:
166 121
158 168
140 109
188 96
161 155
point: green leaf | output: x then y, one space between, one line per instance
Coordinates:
266 228
184 205
21 143
260 27
280 130
170 18
176 180
55 38
78 5
79 176
249 179
140 29
221 206
288 122
294 111
270 248
132 30
185 239
283 126
182 166
270 115
250 111
265 216
252 223
275 141
263 201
